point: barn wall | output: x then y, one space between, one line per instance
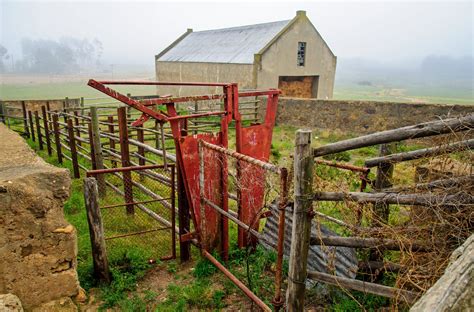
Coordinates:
202 72
280 59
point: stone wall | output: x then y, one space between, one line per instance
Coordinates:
38 246
13 107
359 117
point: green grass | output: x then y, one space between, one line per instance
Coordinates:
402 92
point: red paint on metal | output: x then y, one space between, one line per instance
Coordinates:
212 183
254 141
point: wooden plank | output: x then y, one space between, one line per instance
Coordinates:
57 140
38 131
125 157
398 199
421 153
411 132
72 148
46 130
97 150
96 231
25 122
366 287
32 127
301 229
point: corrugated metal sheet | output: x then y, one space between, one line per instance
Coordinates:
324 259
228 45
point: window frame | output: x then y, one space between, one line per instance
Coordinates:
301 54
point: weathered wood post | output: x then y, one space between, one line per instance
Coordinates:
32 127
91 145
96 231
81 104
72 147
38 131
50 118
76 123
57 140
125 157
141 150
2 114
383 180
110 120
25 121
46 130
302 215
382 210
97 150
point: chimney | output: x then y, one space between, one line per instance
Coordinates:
300 13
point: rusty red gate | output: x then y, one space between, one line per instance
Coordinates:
253 140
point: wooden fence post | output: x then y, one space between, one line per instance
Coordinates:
72 146
110 120
125 157
96 231
57 139
91 145
302 215
25 121
382 210
99 161
46 130
38 131
48 110
32 127
76 123
2 115
141 150
383 180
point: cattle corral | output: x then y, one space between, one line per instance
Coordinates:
102 141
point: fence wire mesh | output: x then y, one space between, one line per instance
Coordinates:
138 212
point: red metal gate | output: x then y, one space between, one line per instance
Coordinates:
253 140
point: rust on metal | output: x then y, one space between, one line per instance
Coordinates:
283 201
237 282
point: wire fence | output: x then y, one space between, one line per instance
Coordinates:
138 210
406 218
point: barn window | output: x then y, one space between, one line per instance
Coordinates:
301 53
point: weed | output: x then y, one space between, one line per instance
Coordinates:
204 268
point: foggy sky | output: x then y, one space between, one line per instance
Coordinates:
133 32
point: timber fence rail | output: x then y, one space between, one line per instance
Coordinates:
438 208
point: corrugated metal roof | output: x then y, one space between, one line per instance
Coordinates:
228 45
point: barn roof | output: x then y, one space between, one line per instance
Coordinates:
228 45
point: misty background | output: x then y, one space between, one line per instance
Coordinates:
396 44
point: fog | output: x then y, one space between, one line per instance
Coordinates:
398 35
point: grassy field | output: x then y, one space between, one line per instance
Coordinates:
23 88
